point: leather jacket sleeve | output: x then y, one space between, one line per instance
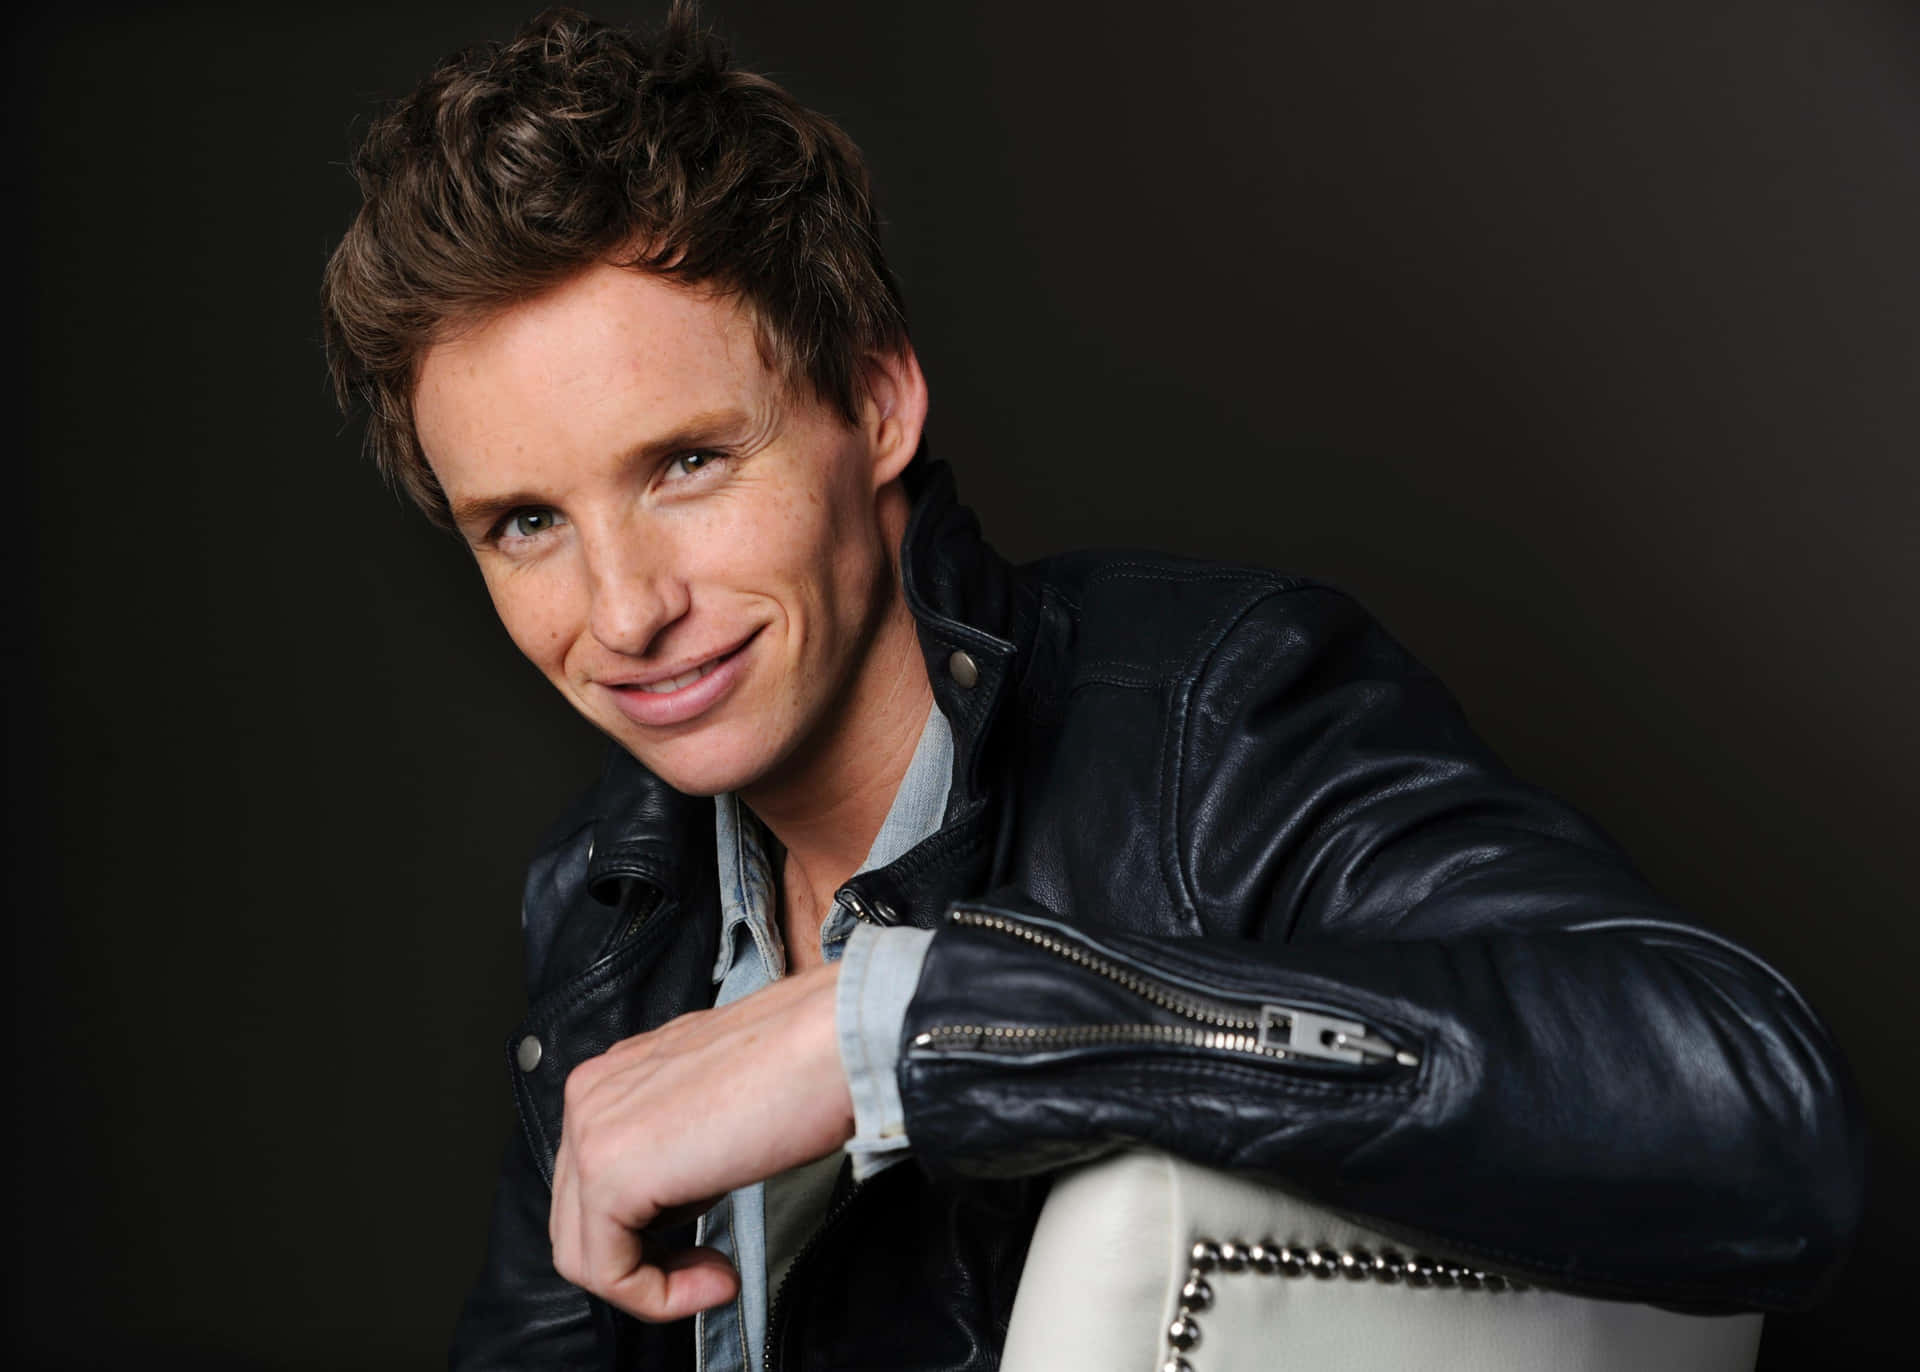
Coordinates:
1402 983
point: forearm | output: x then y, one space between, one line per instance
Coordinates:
1637 1111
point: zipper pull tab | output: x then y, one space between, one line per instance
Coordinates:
1310 1035
876 913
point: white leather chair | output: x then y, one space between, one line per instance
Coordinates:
1144 1262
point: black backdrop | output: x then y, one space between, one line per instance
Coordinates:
1579 339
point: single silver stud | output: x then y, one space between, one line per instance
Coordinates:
1356 1264
1206 1256
1324 1263
964 670
1183 1333
1292 1261
1493 1281
1420 1272
1233 1256
1469 1279
1196 1295
1176 1364
527 1055
1264 1257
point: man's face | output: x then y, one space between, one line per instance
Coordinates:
695 556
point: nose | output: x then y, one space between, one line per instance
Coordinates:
635 589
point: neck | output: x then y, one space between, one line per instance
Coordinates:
826 806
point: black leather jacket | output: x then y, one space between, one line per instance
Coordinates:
1243 886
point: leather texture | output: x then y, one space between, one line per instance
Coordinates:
1112 1253
1235 783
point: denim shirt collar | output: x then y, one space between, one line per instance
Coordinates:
744 848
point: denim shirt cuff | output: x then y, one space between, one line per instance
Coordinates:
879 970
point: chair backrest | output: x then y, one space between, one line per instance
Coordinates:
1144 1262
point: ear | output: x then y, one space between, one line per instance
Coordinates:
894 411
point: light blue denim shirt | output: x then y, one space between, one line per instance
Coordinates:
878 971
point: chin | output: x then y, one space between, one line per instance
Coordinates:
702 767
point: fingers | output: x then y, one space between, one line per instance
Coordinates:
660 1123
614 1264
641 1276
682 1283
597 1251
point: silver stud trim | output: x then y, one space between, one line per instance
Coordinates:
1183 1333
1265 1258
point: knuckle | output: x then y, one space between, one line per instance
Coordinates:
596 1150
636 1046
580 1083
683 1026
590 1153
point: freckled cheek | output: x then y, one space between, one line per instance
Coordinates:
793 566
537 621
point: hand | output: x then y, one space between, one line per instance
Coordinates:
663 1124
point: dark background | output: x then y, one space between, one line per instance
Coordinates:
1578 339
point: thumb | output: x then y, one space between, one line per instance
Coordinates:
675 1284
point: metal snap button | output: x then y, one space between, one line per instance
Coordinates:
964 669
527 1055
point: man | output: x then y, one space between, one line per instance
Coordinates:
963 872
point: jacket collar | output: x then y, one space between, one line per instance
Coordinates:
962 597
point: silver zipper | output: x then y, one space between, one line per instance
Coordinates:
776 1305
647 907
1267 1031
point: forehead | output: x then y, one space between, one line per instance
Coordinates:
588 362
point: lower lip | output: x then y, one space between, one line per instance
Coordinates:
658 708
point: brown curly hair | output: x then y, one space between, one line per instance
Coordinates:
514 166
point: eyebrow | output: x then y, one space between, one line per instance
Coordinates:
706 429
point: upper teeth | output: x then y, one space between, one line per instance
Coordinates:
684 679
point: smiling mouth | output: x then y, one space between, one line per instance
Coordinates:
687 678
661 688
